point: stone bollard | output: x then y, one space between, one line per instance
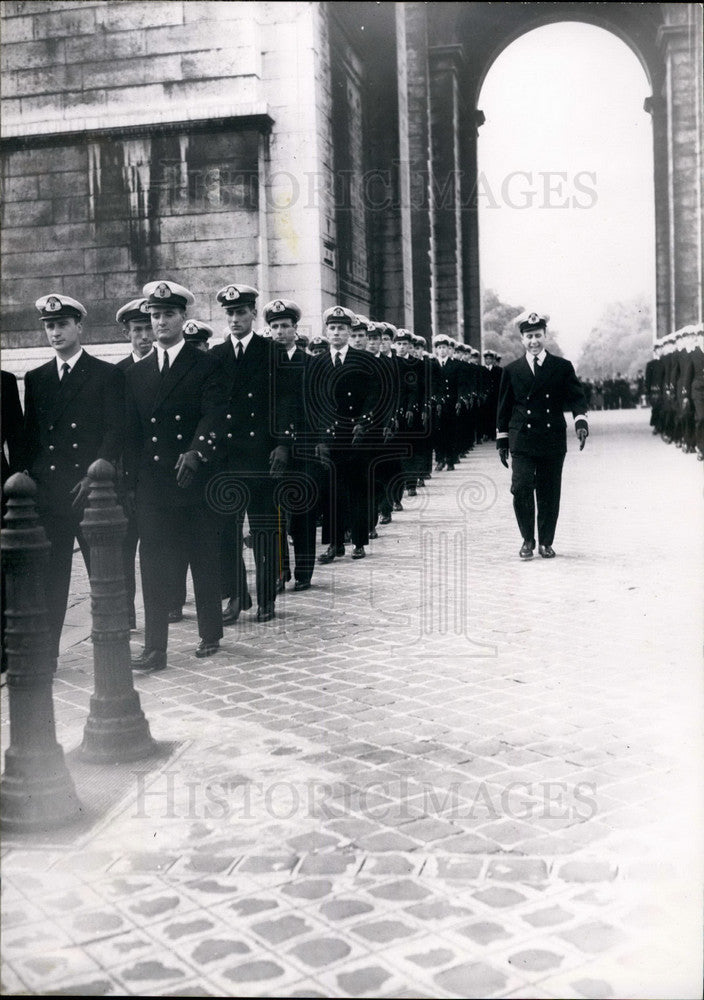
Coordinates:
116 729
36 791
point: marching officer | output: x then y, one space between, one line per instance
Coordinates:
175 405
342 394
258 435
302 476
534 392
73 415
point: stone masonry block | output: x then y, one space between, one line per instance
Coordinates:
127 16
33 55
107 260
17 29
130 72
107 47
65 23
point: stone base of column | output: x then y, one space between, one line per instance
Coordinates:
37 793
116 731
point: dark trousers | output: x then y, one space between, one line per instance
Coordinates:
536 478
350 501
168 536
129 554
62 533
267 523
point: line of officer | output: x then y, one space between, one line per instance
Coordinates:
73 416
674 387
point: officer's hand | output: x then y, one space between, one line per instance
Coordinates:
388 433
357 433
278 460
409 417
186 468
503 455
424 418
80 493
322 452
439 409
458 407
582 434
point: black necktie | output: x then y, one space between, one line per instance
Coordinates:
238 352
65 369
165 365
338 359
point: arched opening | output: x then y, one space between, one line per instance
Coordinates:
565 187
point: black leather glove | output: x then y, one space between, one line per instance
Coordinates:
582 434
503 455
278 460
80 493
186 467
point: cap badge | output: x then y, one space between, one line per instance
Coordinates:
278 306
144 308
162 291
191 327
52 305
533 318
338 311
231 294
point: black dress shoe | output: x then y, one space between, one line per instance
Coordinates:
265 613
450 467
280 585
150 660
175 615
385 519
412 491
302 585
421 482
439 466
527 550
398 506
373 533
232 611
546 551
358 552
329 555
207 648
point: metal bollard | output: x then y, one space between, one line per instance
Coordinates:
36 791
117 729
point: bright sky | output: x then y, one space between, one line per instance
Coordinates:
566 99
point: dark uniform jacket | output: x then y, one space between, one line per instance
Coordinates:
260 404
339 398
12 427
531 406
69 424
165 416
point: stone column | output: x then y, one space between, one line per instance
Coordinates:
656 108
414 28
445 62
472 121
681 44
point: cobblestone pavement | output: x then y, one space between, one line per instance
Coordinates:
440 772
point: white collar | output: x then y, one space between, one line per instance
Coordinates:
138 357
71 362
342 351
244 341
172 351
291 351
531 359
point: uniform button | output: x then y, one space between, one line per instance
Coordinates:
177 417
229 435
548 425
251 414
201 438
529 426
349 393
156 458
51 427
74 445
51 447
229 416
547 395
528 412
77 466
153 420
251 434
179 437
249 395
154 439
53 468
73 427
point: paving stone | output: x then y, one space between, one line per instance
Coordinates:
499 897
428 830
210 863
587 871
484 932
361 981
259 864
437 909
387 841
215 949
248 907
389 864
320 952
594 937
327 864
431 959
470 980
313 842
97 923
155 907
153 969
276 931
403 890
341 909
90 988
548 916
383 931
450 868
183 929
253 972
535 960
530 870
311 889
211 886
594 989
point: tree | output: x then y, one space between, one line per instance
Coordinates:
501 333
621 342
